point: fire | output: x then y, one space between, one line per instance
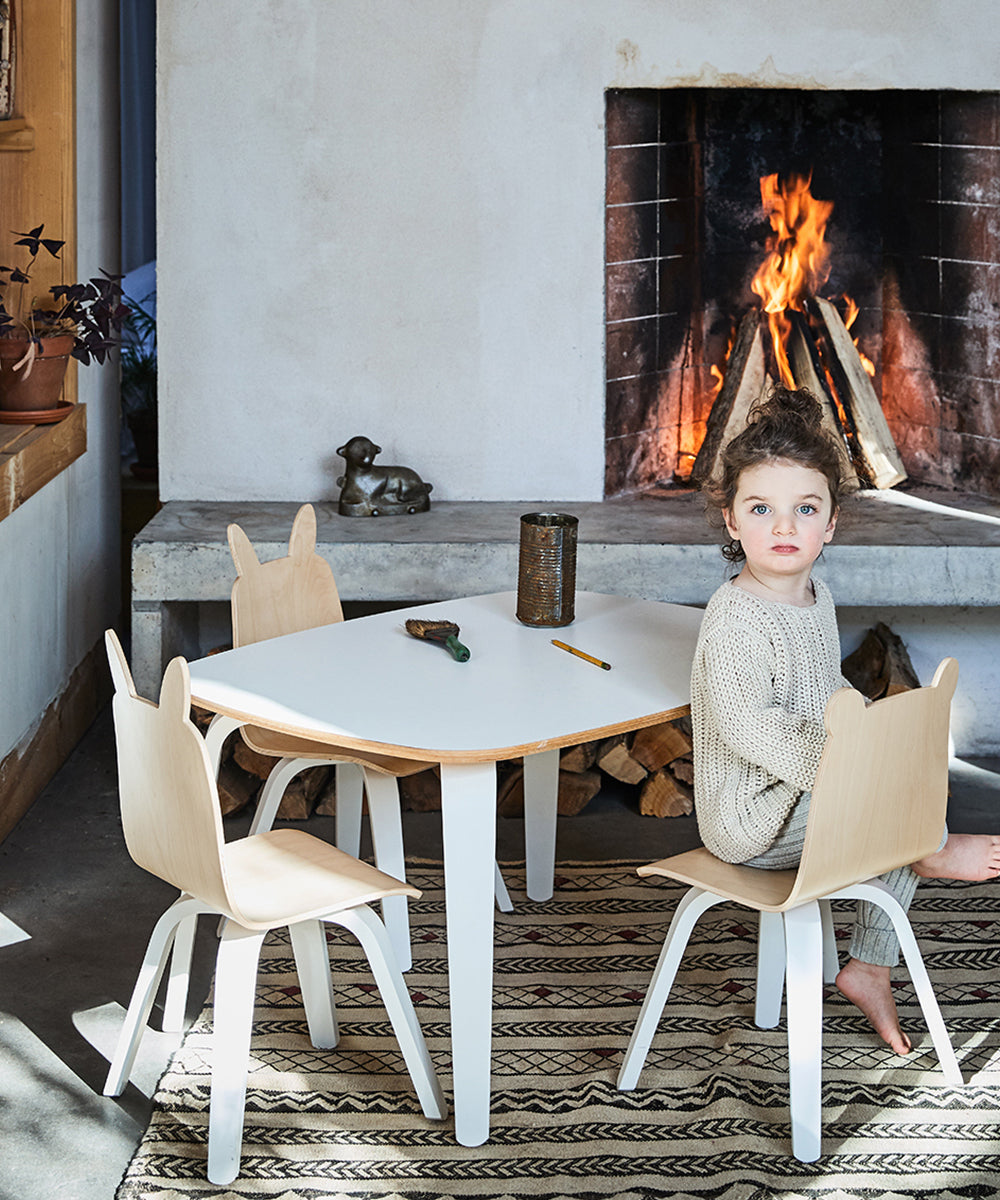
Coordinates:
797 262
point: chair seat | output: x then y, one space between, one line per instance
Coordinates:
281 745
287 875
765 891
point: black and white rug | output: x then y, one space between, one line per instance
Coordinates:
709 1118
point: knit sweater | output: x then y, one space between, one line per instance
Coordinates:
763 673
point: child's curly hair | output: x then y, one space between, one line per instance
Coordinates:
785 424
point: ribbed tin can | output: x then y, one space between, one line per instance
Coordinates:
546 574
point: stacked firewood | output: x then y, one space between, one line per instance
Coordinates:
657 758
655 761
880 666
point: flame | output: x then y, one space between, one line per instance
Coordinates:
797 262
719 373
850 316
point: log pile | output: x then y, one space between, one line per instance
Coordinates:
242 772
880 666
657 759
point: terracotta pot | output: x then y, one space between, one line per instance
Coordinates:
42 387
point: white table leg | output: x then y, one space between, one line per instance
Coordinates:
541 794
468 804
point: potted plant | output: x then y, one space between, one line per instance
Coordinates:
38 335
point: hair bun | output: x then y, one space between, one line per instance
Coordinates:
783 403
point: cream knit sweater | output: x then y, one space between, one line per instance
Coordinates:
763 673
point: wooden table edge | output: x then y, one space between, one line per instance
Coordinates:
424 754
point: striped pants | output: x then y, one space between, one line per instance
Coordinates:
873 939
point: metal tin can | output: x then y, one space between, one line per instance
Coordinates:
546 575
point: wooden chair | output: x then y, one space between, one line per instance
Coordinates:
287 595
878 803
173 829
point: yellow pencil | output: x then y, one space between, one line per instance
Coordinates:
580 654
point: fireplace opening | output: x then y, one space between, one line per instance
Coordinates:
912 187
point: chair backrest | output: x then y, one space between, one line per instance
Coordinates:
169 804
287 594
881 790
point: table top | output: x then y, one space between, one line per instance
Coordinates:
368 685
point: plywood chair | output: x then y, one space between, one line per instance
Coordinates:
878 803
173 829
287 595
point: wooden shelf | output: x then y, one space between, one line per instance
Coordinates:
31 455
16 134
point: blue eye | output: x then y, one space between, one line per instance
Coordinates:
759 510
807 509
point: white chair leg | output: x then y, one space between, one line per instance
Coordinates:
312 963
386 825
350 800
150 973
804 994
232 1021
219 729
377 945
877 893
693 903
500 893
269 800
179 979
770 970
831 960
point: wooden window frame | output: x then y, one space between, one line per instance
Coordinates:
38 186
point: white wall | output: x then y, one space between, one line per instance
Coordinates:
59 552
386 217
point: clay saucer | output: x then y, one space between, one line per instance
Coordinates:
37 416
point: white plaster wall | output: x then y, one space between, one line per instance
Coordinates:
386 217
59 552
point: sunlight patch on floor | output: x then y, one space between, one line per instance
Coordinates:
11 933
101 1026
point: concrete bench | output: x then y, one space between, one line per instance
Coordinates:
913 549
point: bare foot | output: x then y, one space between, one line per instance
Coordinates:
972 856
867 986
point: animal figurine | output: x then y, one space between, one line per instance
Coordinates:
371 491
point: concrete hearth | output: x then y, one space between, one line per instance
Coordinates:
915 549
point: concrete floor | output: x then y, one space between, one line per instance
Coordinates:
76 913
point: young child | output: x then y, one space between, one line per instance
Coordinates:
767 662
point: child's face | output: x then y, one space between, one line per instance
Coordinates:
783 517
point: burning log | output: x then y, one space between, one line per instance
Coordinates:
808 345
873 444
742 386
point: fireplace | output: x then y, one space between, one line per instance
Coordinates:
914 181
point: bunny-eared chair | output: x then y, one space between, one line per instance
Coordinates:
173 829
287 595
878 803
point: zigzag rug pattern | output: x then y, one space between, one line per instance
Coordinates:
708 1121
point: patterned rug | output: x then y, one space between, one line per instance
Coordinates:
708 1120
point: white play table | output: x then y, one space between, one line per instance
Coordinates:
365 683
